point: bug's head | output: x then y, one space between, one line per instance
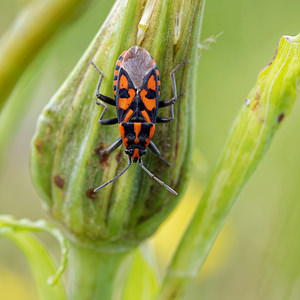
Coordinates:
135 153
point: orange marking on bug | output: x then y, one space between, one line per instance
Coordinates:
157 72
152 129
123 83
122 133
115 82
147 142
119 62
158 93
151 84
128 115
116 72
125 102
146 116
136 153
149 103
115 93
137 129
158 82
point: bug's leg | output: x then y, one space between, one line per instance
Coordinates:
104 98
120 174
154 149
173 80
106 121
155 178
168 102
116 144
166 119
172 100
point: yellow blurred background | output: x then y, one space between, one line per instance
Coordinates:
257 255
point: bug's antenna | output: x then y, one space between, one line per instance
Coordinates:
120 174
155 178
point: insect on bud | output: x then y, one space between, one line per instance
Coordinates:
73 156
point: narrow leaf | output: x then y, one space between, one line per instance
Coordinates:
267 105
44 270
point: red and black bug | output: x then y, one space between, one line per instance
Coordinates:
137 91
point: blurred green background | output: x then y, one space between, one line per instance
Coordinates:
257 255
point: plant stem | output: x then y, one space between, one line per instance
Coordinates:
42 266
92 273
31 31
268 103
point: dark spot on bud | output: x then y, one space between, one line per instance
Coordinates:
103 156
118 157
255 106
59 181
39 145
257 96
280 118
100 148
91 194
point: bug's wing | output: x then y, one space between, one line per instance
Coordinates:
149 95
125 93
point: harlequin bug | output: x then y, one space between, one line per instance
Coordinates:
137 91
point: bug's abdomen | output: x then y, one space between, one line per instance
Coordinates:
136 136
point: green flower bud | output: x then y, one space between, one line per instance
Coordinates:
65 162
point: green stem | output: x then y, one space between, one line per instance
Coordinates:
15 110
32 30
268 103
93 274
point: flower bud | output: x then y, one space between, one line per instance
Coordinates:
66 161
